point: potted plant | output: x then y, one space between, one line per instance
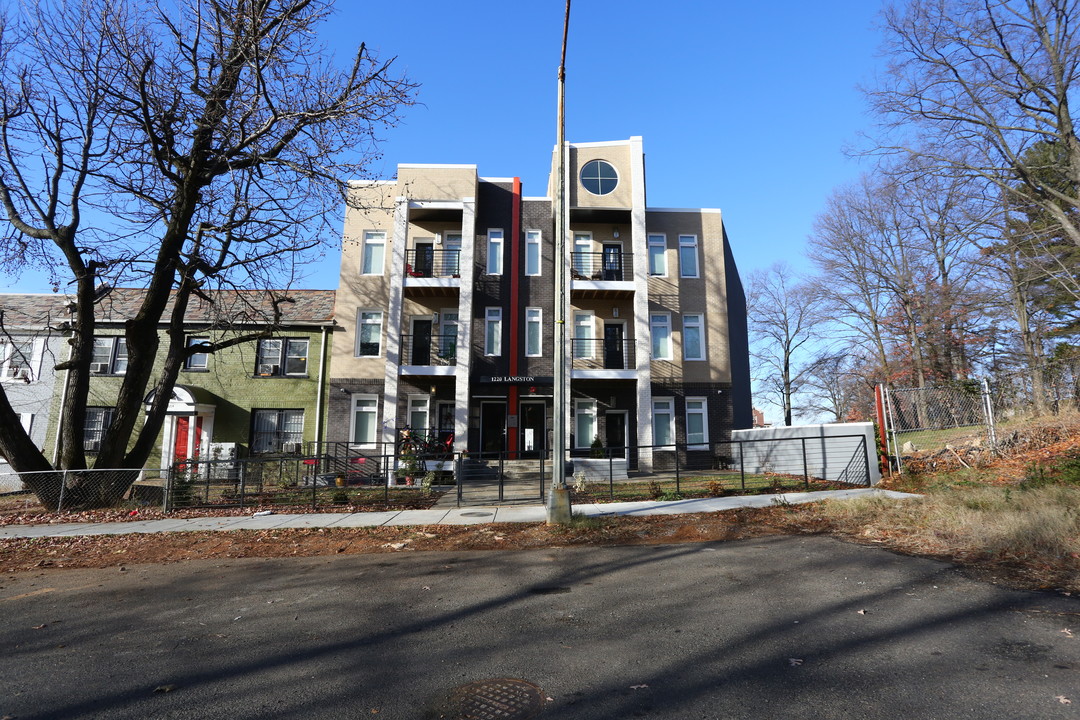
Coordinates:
409 467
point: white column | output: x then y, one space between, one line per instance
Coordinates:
393 319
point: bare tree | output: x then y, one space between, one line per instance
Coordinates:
784 315
181 148
972 85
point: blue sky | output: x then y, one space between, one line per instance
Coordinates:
742 106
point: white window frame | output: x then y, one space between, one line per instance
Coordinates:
533 240
19 353
372 239
493 341
657 240
495 251
694 320
191 363
419 404
584 334
283 356
452 244
584 408
374 405
701 443
689 243
118 360
663 407
658 322
361 321
580 259
448 328
534 316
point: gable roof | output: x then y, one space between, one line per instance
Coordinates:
224 307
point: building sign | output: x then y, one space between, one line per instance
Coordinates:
518 379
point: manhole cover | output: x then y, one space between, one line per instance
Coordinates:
499 699
476 514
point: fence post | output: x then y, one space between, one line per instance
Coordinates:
988 411
502 478
742 465
166 501
458 465
677 485
243 484
866 459
63 486
805 467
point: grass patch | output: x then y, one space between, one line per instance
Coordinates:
1033 532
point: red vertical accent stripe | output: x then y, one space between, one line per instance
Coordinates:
516 348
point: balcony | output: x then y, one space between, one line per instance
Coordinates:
430 272
426 354
605 274
609 358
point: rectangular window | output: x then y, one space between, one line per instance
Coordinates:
693 332
697 424
418 413
581 263
660 326
533 335
663 421
16 359
278 357
365 419
688 257
373 253
272 429
368 333
584 423
197 360
448 332
493 331
495 252
658 255
583 334
452 263
98 420
109 356
532 252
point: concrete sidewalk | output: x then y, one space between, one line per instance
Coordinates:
454 516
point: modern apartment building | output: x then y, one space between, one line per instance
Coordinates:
447 303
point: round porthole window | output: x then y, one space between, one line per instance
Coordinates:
599 177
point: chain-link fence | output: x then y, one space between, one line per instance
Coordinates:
922 422
73 490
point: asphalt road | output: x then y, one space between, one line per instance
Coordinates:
780 627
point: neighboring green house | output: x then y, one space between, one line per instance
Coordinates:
266 395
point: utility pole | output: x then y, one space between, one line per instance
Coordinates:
558 505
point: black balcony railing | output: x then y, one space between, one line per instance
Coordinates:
426 262
608 265
425 349
614 353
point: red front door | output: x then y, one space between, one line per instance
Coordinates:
183 430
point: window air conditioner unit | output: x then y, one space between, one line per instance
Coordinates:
290 447
267 369
99 368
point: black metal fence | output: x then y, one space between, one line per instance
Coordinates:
607 266
671 471
428 262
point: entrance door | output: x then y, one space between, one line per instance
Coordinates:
615 436
425 259
445 422
421 342
492 427
614 358
187 438
613 261
533 428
